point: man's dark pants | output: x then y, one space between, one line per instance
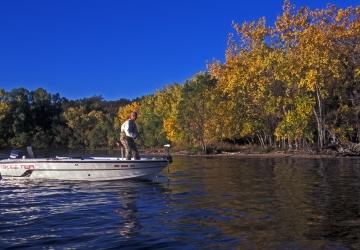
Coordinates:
130 146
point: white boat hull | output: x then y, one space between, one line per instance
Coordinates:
90 169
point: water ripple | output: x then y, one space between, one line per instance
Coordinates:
200 204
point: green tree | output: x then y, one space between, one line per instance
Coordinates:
195 111
151 127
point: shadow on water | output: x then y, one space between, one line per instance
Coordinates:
212 203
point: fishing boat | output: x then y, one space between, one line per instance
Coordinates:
81 168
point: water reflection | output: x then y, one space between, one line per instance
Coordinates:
202 203
71 214
273 204
130 224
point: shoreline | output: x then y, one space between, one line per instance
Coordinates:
236 154
272 155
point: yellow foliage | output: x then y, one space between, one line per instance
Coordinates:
247 129
124 112
78 117
282 74
296 121
167 101
275 81
97 115
73 116
4 108
171 129
166 106
357 72
340 15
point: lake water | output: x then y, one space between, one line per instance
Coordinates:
201 203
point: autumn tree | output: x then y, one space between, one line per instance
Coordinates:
167 107
196 111
274 76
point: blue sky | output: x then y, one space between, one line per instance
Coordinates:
119 49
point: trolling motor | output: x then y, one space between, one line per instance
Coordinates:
168 156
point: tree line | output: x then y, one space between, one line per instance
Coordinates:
294 84
291 85
46 120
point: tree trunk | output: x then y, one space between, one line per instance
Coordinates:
319 120
261 140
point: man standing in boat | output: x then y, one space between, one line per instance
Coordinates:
128 134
